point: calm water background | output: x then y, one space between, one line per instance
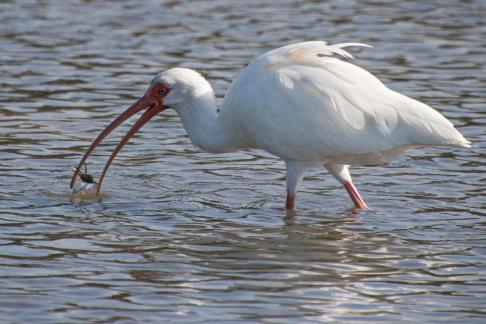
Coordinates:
194 237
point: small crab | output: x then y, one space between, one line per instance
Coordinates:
87 182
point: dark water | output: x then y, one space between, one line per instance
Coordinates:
188 236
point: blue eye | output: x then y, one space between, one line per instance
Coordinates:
162 90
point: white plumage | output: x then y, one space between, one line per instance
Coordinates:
328 110
305 105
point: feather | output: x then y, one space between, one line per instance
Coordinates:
301 102
314 52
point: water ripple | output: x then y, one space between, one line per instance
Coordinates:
188 236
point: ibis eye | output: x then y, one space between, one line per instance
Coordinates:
162 90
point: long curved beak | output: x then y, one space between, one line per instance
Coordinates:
153 108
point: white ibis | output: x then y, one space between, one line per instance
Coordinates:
301 103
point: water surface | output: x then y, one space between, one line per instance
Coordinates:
194 237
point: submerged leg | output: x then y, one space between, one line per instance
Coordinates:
341 173
355 196
295 173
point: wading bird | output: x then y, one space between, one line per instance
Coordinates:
302 103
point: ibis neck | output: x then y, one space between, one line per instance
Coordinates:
207 129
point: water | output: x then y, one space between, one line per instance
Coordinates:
188 236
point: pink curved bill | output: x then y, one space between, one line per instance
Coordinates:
153 108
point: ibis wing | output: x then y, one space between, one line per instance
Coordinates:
299 105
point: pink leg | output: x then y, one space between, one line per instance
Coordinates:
290 203
354 194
